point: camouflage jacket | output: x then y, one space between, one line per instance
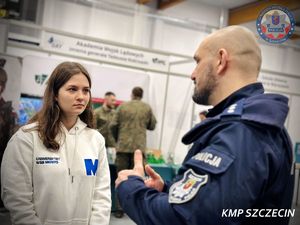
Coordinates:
130 123
7 124
103 117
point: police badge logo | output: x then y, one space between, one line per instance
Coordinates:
275 24
185 189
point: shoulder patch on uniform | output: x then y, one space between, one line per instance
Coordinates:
185 189
235 109
211 161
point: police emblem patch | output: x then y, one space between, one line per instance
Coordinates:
275 24
185 189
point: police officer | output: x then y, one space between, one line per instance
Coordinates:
241 156
129 127
104 116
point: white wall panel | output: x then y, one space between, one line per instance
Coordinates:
181 40
88 21
272 57
177 117
195 11
292 63
156 98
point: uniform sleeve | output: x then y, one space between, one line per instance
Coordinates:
114 125
101 203
146 205
227 173
16 180
100 122
152 121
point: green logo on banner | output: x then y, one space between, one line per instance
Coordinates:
40 78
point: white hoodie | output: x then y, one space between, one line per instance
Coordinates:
64 187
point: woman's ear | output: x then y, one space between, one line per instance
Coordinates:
222 60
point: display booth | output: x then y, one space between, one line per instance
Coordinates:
164 76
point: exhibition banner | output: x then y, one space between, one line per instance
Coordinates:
104 52
280 83
36 72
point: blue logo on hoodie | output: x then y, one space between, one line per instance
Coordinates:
90 167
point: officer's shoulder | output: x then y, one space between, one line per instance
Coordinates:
235 110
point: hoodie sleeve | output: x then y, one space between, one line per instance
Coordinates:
16 180
101 202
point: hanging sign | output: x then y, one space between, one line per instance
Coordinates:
104 52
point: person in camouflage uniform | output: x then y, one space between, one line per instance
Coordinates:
129 127
7 118
104 116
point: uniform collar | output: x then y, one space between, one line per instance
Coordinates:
106 109
244 92
249 104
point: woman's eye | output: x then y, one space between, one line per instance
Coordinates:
72 89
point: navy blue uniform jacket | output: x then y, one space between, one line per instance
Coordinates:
241 158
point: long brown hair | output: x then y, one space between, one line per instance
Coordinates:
48 118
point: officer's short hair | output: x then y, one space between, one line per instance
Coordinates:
137 92
109 93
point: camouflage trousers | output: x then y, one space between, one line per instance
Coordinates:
123 161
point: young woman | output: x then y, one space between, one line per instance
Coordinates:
55 168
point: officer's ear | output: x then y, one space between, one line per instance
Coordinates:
222 62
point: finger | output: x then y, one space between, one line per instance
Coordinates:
148 183
122 176
125 173
118 181
151 172
138 162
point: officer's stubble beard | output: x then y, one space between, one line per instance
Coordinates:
201 95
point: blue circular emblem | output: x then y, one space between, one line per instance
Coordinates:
275 24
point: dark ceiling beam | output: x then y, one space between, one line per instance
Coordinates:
143 1
295 36
163 4
250 12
